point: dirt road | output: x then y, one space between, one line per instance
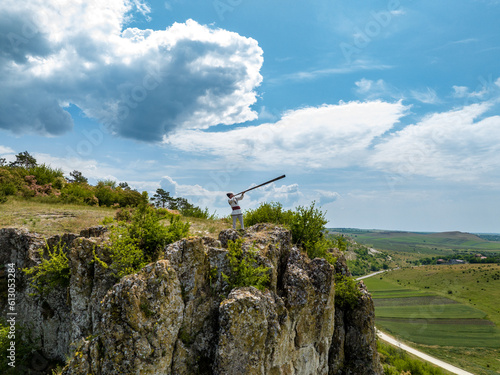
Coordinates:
426 357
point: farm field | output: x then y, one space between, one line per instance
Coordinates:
446 311
476 285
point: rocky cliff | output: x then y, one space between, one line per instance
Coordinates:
176 317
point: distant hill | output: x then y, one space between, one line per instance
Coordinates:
423 242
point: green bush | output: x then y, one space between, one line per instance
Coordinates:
123 214
126 256
347 292
150 233
244 268
306 224
269 213
106 194
197 212
10 180
110 195
51 272
107 220
320 249
7 186
164 213
78 193
46 175
133 245
127 197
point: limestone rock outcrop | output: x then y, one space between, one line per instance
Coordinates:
354 349
178 316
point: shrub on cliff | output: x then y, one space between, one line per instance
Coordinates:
126 256
272 212
244 268
133 245
307 225
347 292
52 271
150 232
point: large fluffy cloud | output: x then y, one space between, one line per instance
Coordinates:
140 84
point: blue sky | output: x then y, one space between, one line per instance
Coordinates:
386 113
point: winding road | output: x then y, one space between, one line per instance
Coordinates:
391 340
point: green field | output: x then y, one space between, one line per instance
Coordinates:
431 311
456 334
448 311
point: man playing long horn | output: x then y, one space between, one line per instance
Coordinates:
236 209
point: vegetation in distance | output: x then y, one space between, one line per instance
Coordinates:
362 259
428 248
25 178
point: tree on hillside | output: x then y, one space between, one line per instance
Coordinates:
181 204
3 162
161 198
77 177
25 160
124 186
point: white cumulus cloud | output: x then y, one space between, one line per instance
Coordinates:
332 136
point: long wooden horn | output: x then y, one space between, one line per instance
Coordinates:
265 183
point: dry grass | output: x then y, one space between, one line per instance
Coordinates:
209 228
48 218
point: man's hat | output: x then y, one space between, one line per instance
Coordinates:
229 195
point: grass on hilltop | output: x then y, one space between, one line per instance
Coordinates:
55 218
50 218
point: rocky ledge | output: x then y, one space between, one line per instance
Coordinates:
175 316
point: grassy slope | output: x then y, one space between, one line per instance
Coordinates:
469 286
